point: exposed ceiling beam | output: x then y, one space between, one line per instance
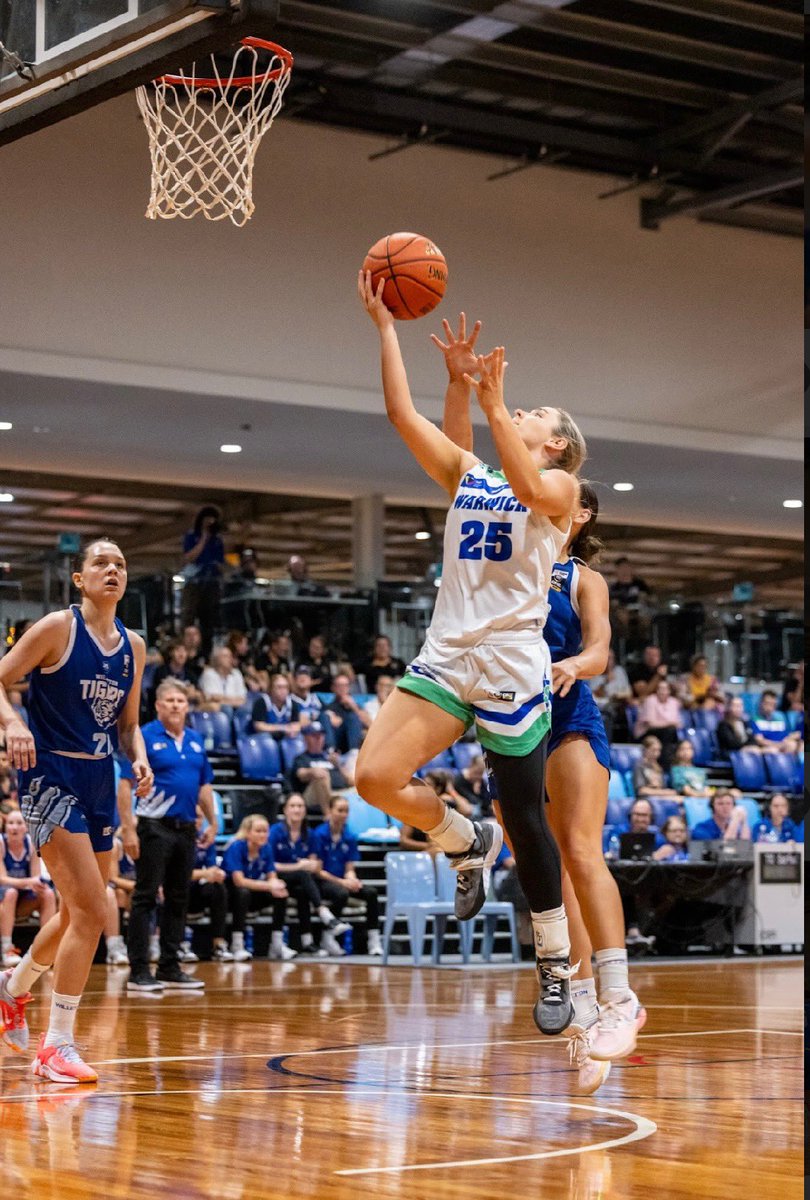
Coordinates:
654 211
728 114
761 17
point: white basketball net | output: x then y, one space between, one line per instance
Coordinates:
204 132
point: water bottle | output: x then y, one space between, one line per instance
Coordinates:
249 939
285 935
348 941
614 847
209 741
188 934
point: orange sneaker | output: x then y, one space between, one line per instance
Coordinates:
61 1064
13 1026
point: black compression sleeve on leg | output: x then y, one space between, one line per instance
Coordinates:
521 792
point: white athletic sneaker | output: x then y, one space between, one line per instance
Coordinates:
117 957
332 947
11 958
336 927
591 1074
375 943
187 954
615 1033
222 954
282 953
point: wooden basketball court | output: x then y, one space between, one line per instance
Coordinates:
341 1080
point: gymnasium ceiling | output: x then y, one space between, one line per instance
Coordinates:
694 104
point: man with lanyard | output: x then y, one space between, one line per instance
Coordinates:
164 843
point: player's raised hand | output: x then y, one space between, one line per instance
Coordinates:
372 300
489 388
459 350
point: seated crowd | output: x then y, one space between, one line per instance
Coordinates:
320 704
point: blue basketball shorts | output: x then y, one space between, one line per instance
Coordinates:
76 794
578 713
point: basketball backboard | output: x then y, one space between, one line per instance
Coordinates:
58 57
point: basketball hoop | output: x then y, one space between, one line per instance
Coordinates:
204 132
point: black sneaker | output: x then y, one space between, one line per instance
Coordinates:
143 981
474 868
336 927
554 1010
175 980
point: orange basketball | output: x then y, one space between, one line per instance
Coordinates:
414 270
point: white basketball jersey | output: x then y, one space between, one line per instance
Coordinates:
498 558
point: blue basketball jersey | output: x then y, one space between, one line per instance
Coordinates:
17 868
75 704
563 631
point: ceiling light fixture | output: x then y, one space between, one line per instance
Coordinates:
6 425
792 504
422 535
623 487
231 448
6 498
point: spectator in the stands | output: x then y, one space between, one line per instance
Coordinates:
685 777
299 868
239 645
646 675
299 574
195 659
777 826
648 774
177 669
275 655
640 819
728 821
317 772
630 599
612 693
771 731
697 682
793 690
320 664
715 698
382 690
253 884
381 662
310 706
276 711
222 684
471 783
349 721
208 892
661 714
735 731
336 847
441 780
204 562
22 888
676 841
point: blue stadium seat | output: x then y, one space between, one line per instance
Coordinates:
443 761
706 718
625 755
750 703
696 809
215 725
411 893
259 757
780 770
663 807
795 720
607 834
369 824
290 748
242 718
490 913
618 809
701 741
749 771
220 814
752 810
465 752
616 787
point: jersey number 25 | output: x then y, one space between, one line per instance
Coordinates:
497 545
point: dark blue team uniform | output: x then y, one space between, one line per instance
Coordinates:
73 708
335 855
282 846
17 868
577 712
181 768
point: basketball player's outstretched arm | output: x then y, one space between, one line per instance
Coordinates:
594 605
554 492
435 453
460 359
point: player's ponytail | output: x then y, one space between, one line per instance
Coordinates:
572 457
586 545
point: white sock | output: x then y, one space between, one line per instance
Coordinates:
583 997
237 941
63 1018
5 945
114 942
551 938
326 915
306 939
373 937
454 834
25 975
277 939
611 969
